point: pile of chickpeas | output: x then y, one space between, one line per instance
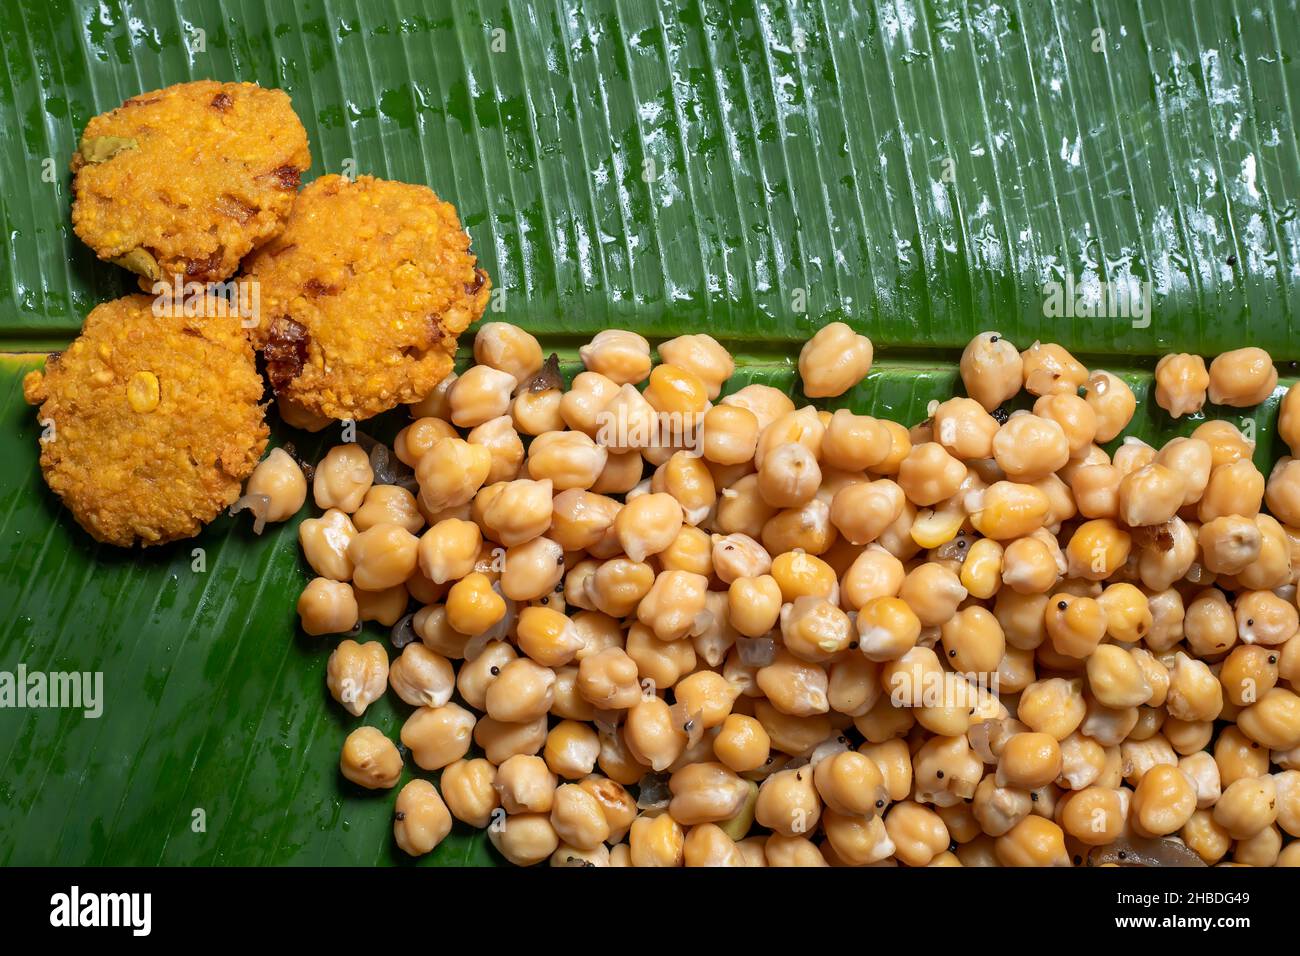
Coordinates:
773 635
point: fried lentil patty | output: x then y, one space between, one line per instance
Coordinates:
187 180
150 423
363 295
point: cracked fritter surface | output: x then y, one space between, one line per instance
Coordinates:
150 423
188 180
363 296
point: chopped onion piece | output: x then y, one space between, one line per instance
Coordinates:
1136 851
692 725
403 632
259 505
606 721
653 792
756 651
547 377
828 748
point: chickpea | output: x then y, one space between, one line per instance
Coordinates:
929 474
794 851
519 512
656 841
473 606
450 473
1181 383
789 476
324 542
619 355
1116 679
327 607
1032 565
1168 556
616 804
706 793
1096 490
370 760
788 802
420 819
701 355
981 572
933 592
648 525
1029 761
674 607
415 440
582 405
1194 692
278 478
834 360
342 479
524 784
437 736
382 556
854 442
1029 447
469 787
947 772
1075 416
1247 673
1034 841
419 676
973 641
1233 489
1247 806
480 394
1273 721
569 459
501 741
1074 624
730 434
653 735
918 833
608 679
449 550
1229 544
1054 706
388 504
991 369
677 392
508 348
741 743
1128 612
964 428
1097 549
742 509
1242 378
524 839
794 687
535 412
1150 495
1113 403
532 570
813 629
522 691
1264 618
861 512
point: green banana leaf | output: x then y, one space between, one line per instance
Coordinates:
918 168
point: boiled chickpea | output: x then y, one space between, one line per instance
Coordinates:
370 760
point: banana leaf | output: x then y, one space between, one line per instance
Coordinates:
922 169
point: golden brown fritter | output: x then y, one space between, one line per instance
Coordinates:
363 296
187 180
150 423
